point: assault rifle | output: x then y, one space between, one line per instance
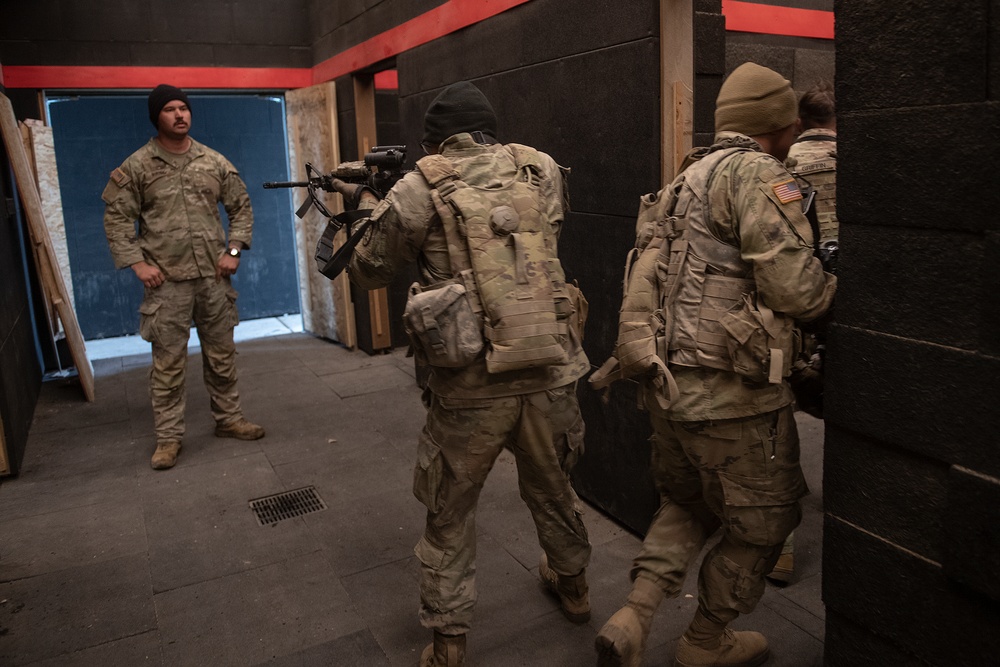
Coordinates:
378 172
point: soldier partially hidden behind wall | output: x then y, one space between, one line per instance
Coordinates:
501 331
172 186
723 272
812 160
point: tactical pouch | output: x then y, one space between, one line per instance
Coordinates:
442 325
761 342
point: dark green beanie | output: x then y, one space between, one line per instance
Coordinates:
461 107
755 100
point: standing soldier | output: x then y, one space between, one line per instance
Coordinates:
812 160
724 269
173 186
500 329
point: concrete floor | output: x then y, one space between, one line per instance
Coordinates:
106 562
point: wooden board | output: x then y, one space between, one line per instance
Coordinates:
311 114
50 276
364 115
4 458
676 84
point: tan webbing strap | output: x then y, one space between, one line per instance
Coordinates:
524 331
520 272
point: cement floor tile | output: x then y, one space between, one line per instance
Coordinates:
344 477
56 455
200 527
62 406
369 380
509 593
549 641
335 358
396 412
142 649
806 592
34 493
251 617
66 611
359 648
387 598
63 539
357 536
791 645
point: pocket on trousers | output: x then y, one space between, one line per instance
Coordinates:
231 295
427 474
763 510
148 320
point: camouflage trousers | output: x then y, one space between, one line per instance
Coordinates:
165 320
457 449
742 475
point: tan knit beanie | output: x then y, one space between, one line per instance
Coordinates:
755 100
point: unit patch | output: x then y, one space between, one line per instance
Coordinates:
787 191
119 177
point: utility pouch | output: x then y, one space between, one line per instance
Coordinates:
442 326
761 342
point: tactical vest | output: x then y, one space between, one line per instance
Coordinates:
503 250
689 300
816 167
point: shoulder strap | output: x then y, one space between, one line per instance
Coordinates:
444 180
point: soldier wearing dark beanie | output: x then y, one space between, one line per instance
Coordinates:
461 107
158 99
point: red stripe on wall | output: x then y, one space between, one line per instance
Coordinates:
774 20
387 79
30 76
449 17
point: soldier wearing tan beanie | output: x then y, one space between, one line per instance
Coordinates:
725 446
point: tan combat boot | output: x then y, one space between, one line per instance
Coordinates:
572 591
444 651
166 454
622 640
241 429
783 570
709 644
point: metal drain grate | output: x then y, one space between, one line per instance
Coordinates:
280 506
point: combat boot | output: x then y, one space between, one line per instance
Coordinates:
166 454
444 651
572 591
783 570
622 640
710 644
241 429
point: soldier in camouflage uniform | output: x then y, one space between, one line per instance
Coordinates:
472 413
725 451
812 160
172 186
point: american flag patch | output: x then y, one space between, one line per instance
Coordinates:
787 191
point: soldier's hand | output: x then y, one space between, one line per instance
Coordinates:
226 267
150 275
348 190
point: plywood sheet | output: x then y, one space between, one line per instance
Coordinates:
312 134
48 269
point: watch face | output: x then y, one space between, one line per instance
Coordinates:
234 252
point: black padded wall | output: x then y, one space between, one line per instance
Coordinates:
912 467
234 33
20 372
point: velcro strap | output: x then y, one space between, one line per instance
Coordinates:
519 271
776 365
431 330
436 169
525 331
716 340
511 356
609 371
727 288
521 308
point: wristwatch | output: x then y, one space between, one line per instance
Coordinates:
233 252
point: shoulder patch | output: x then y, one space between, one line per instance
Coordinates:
119 177
787 191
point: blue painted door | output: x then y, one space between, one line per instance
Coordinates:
94 134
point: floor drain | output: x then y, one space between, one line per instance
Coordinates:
280 506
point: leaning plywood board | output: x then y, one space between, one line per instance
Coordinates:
676 84
47 265
40 144
4 459
312 133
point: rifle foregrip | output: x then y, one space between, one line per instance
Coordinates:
270 185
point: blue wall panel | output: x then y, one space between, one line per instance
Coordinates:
93 135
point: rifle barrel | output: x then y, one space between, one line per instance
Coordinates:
270 185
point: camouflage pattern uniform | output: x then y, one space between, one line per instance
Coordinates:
175 199
812 159
472 414
726 452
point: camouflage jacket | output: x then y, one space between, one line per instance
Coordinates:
813 161
175 199
775 242
406 228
